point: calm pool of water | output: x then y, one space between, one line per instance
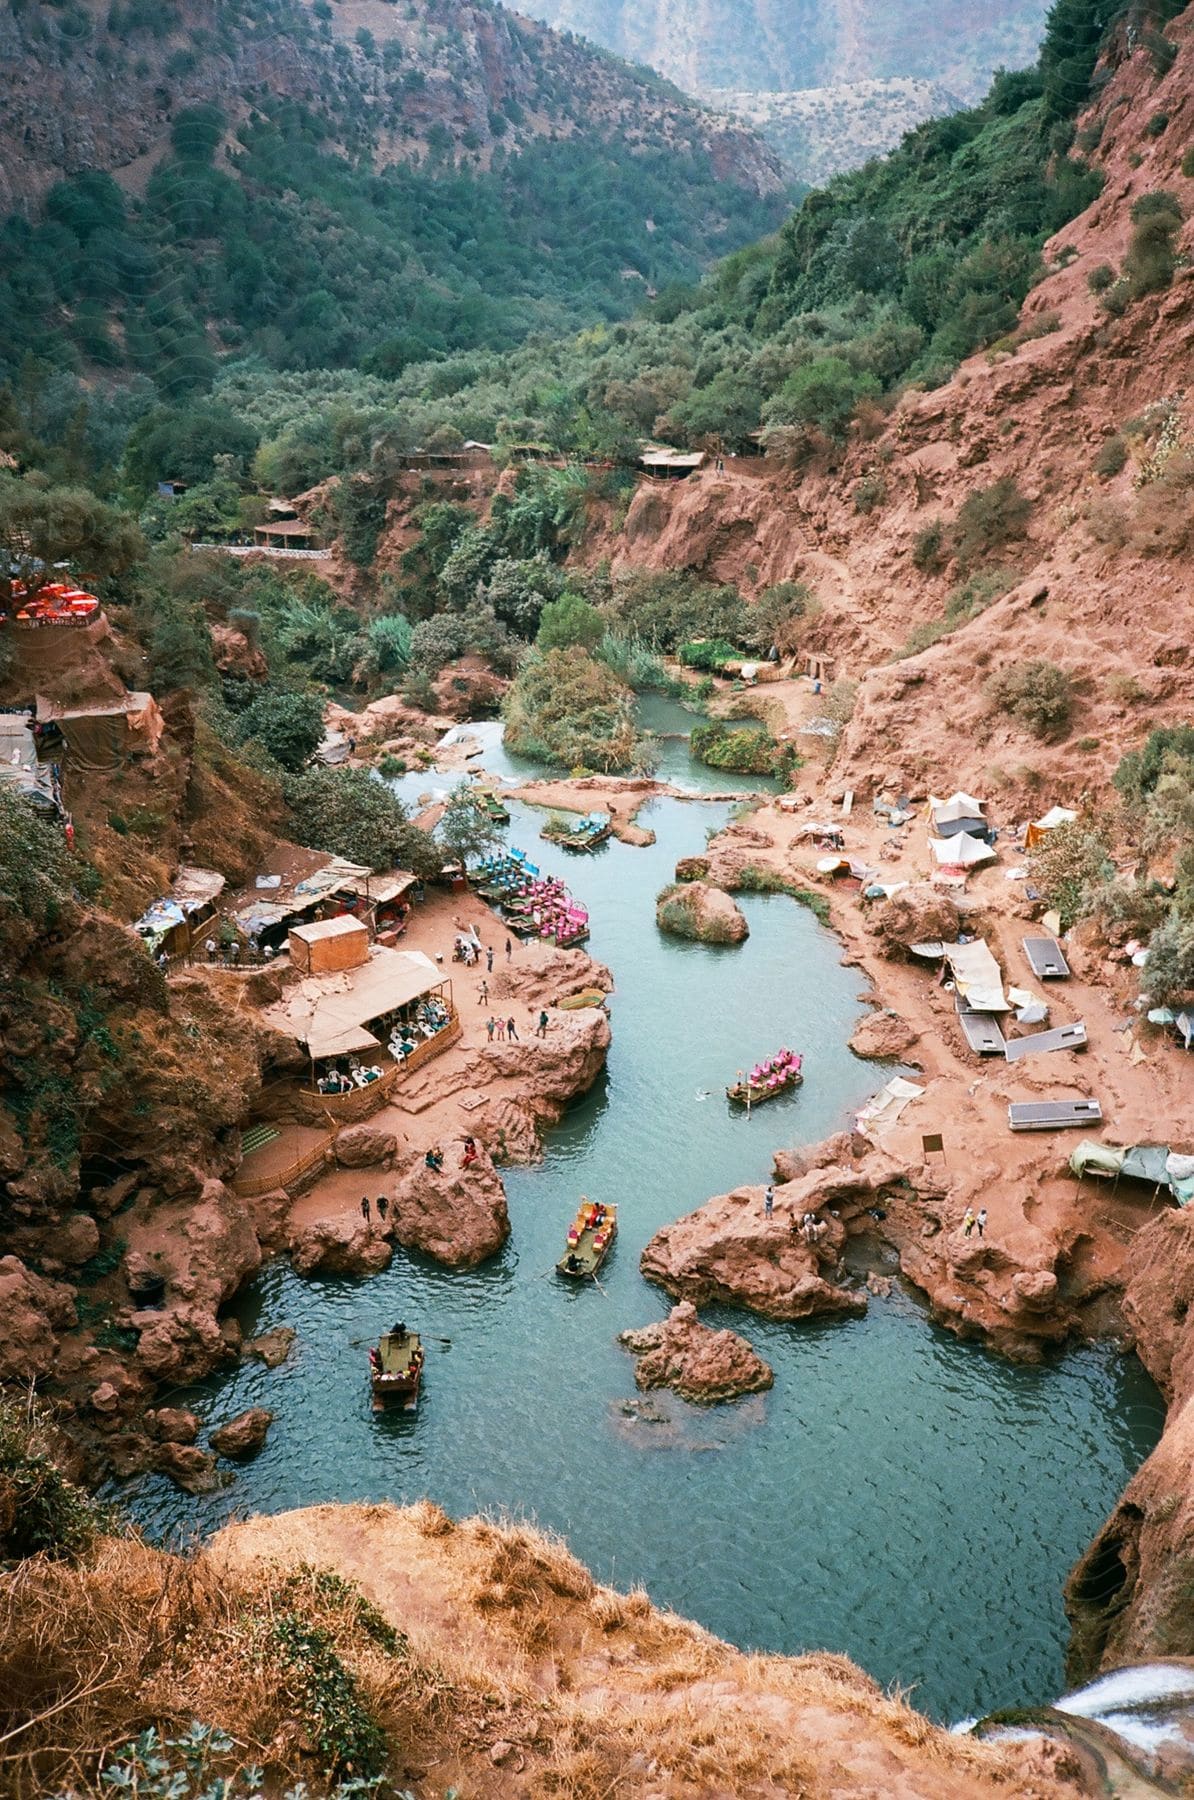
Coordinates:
897 1496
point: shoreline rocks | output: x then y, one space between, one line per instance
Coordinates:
456 1215
243 1437
698 910
697 1362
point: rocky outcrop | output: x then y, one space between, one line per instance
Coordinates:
191 1469
700 1364
456 1215
339 1246
729 1251
243 1437
544 975
33 1312
272 1347
918 915
884 1035
694 909
362 1147
173 1424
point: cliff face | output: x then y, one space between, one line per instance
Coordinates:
1098 582
99 89
785 44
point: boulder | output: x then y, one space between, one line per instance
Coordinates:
33 1312
180 1343
1035 1289
362 1147
456 1215
339 1246
916 915
173 1424
272 1347
695 909
105 1399
188 1467
542 974
206 1246
75 1240
242 1437
728 1251
699 1363
883 1034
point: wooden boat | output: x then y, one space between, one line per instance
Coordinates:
753 1092
582 835
491 804
589 1237
395 1370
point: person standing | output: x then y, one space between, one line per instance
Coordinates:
501 1031
543 1024
484 992
489 1025
968 1222
365 1207
383 1207
512 1031
769 1201
509 949
489 959
981 1221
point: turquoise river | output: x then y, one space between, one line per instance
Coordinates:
898 1496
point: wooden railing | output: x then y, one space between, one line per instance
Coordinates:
356 1103
430 1047
248 1186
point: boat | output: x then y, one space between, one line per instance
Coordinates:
589 1237
490 804
776 1075
396 1369
582 835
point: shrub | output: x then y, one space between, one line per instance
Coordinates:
388 642
569 709
569 621
348 813
1070 866
988 519
1169 972
1100 278
870 493
1156 124
1037 694
928 547
41 1512
1111 456
1152 255
288 725
1188 165
745 749
710 654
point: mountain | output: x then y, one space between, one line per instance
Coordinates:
821 131
780 45
315 182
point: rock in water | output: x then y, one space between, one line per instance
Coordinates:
272 1347
456 1215
243 1436
694 909
699 1363
339 1247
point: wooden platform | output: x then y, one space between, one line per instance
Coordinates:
1045 959
982 1033
1065 1037
1052 1115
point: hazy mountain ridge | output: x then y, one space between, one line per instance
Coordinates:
781 45
820 132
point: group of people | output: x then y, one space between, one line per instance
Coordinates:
506 1030
974 1221
382 1205
811 1229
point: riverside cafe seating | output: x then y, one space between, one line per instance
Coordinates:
58 603
532 905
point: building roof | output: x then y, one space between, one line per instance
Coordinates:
381 889
193 887
661 456
293 880
128 705
319 930
328 1014
20 770
286 528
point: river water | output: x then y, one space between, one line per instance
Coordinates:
900 1497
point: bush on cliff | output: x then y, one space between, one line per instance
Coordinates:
41 1512
347 812
567 708
1038 695
746 749
288 725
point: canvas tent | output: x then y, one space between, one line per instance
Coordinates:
102 734
170 923
960 852
960 813
20 771
1040 828
976 976
1155 1164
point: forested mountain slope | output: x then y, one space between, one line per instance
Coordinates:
314 182
784 44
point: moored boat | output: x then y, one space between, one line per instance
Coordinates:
589 1237
581 835
778 1074
396 1369
492 804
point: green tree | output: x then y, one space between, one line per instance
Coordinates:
182 443
569 621
567 708
43 526
347 812
466 831
288 725
822 394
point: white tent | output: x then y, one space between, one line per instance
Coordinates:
1056 815
958 806
960 852
976 976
